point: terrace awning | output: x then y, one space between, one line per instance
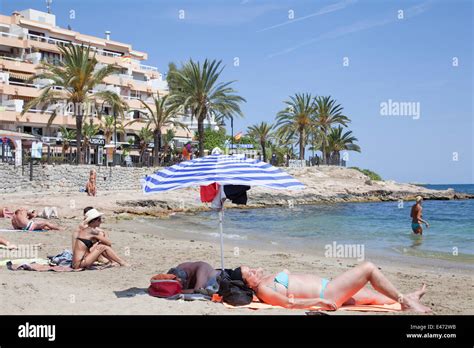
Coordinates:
19 76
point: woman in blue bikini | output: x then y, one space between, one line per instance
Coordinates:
305 290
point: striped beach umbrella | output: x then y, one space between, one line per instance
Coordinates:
221 169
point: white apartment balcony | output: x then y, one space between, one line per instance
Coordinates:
58 42
103 87
12 40
148 67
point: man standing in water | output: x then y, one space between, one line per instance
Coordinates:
416 217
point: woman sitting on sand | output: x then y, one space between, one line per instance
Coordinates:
84 254
306 290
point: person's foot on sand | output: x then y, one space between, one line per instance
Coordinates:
411 301
418 294
126 264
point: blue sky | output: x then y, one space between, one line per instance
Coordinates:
403 60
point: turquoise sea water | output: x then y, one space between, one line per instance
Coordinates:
381 227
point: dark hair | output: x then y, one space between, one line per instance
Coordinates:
86 209
181 275
233 289
96 219
237 274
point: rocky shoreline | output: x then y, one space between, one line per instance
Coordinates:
323 185
122 197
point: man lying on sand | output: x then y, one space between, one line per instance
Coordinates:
306 290
8 214
195 276
91 243
23 220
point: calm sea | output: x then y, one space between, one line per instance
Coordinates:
383 228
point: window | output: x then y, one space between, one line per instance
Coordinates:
135 94
51 57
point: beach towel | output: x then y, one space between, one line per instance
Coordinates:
237 193
62 259
396 307
209 192
12 230
45 268
23 261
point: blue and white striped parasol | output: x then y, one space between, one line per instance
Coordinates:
221 169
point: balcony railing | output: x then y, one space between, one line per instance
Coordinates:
148 67
5 34
48 40
129 97
34 85
59 42
13 59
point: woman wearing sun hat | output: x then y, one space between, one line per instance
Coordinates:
83 256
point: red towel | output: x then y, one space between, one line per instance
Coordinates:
209 192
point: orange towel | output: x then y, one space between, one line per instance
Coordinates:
163 276
359 308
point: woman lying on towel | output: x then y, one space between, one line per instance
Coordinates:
91 243
306 290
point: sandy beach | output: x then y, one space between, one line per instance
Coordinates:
152 250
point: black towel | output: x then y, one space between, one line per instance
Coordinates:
236 193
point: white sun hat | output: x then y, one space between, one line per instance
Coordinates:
91 215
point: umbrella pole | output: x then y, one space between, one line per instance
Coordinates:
221 217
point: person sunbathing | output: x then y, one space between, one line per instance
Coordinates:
196 277
7 244
23 220
8 214
84 255
305 290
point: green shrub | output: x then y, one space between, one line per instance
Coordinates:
372 175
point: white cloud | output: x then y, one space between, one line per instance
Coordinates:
222 15
356 27
328 9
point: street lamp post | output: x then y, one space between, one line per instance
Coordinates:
115 136
231 134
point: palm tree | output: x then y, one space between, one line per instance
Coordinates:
88 131
145 136
339 141
76 75
169 136
109 125
113 123
297 119
163 115
328 114
196 90
262 132
67 135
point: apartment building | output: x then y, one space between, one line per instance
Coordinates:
30 36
